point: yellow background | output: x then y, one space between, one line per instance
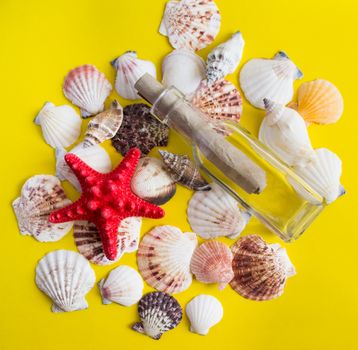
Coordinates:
42 40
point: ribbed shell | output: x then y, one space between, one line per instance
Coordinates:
89 243
215 213
40 195
61 125
122 286
86 87
184 171
66 277
269 78
190 24
212 263
260 269
159 312
163 258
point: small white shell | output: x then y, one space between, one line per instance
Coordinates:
129 69
204 311
124 286
66 277
215 213
183 69
269 78
95 156
61 125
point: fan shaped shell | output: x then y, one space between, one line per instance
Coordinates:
61 125
66 277
40 195
164 258
260 269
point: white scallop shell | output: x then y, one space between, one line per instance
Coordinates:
61 125
95 156
204 311
129 69
66 277
183 69
215 213
40 195
269 78
124 286
285 132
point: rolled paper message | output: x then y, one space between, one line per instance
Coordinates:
170 106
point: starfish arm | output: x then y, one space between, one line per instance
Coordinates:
125 170
108 233
71 212
147 210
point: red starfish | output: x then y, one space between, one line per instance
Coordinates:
106 199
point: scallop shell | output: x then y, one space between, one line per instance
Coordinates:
61 125
204 311
163 258
89 243
184 171
122 286
260 269
95 156
319 101
190 24
152 181
40 195
225 58
183 69
87 88
284 131
269 78
139 129
129 69
66 277
159 312
211 263
104 125
215 213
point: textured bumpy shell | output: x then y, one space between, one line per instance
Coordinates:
204 312
159 312
122 286
152 181
269 78
284 131
190 24
95 156
61 125
40 195
215 213
225 58
139 129
183 69
184 171
66 277
163 258
87 88
212 263
319 101
260 269
129 69
89 243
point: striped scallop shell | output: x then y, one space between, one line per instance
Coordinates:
66 277
159 312
89 243
86 87
124 286
41 195
163 258
260 269
190 24
215 213
212 263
